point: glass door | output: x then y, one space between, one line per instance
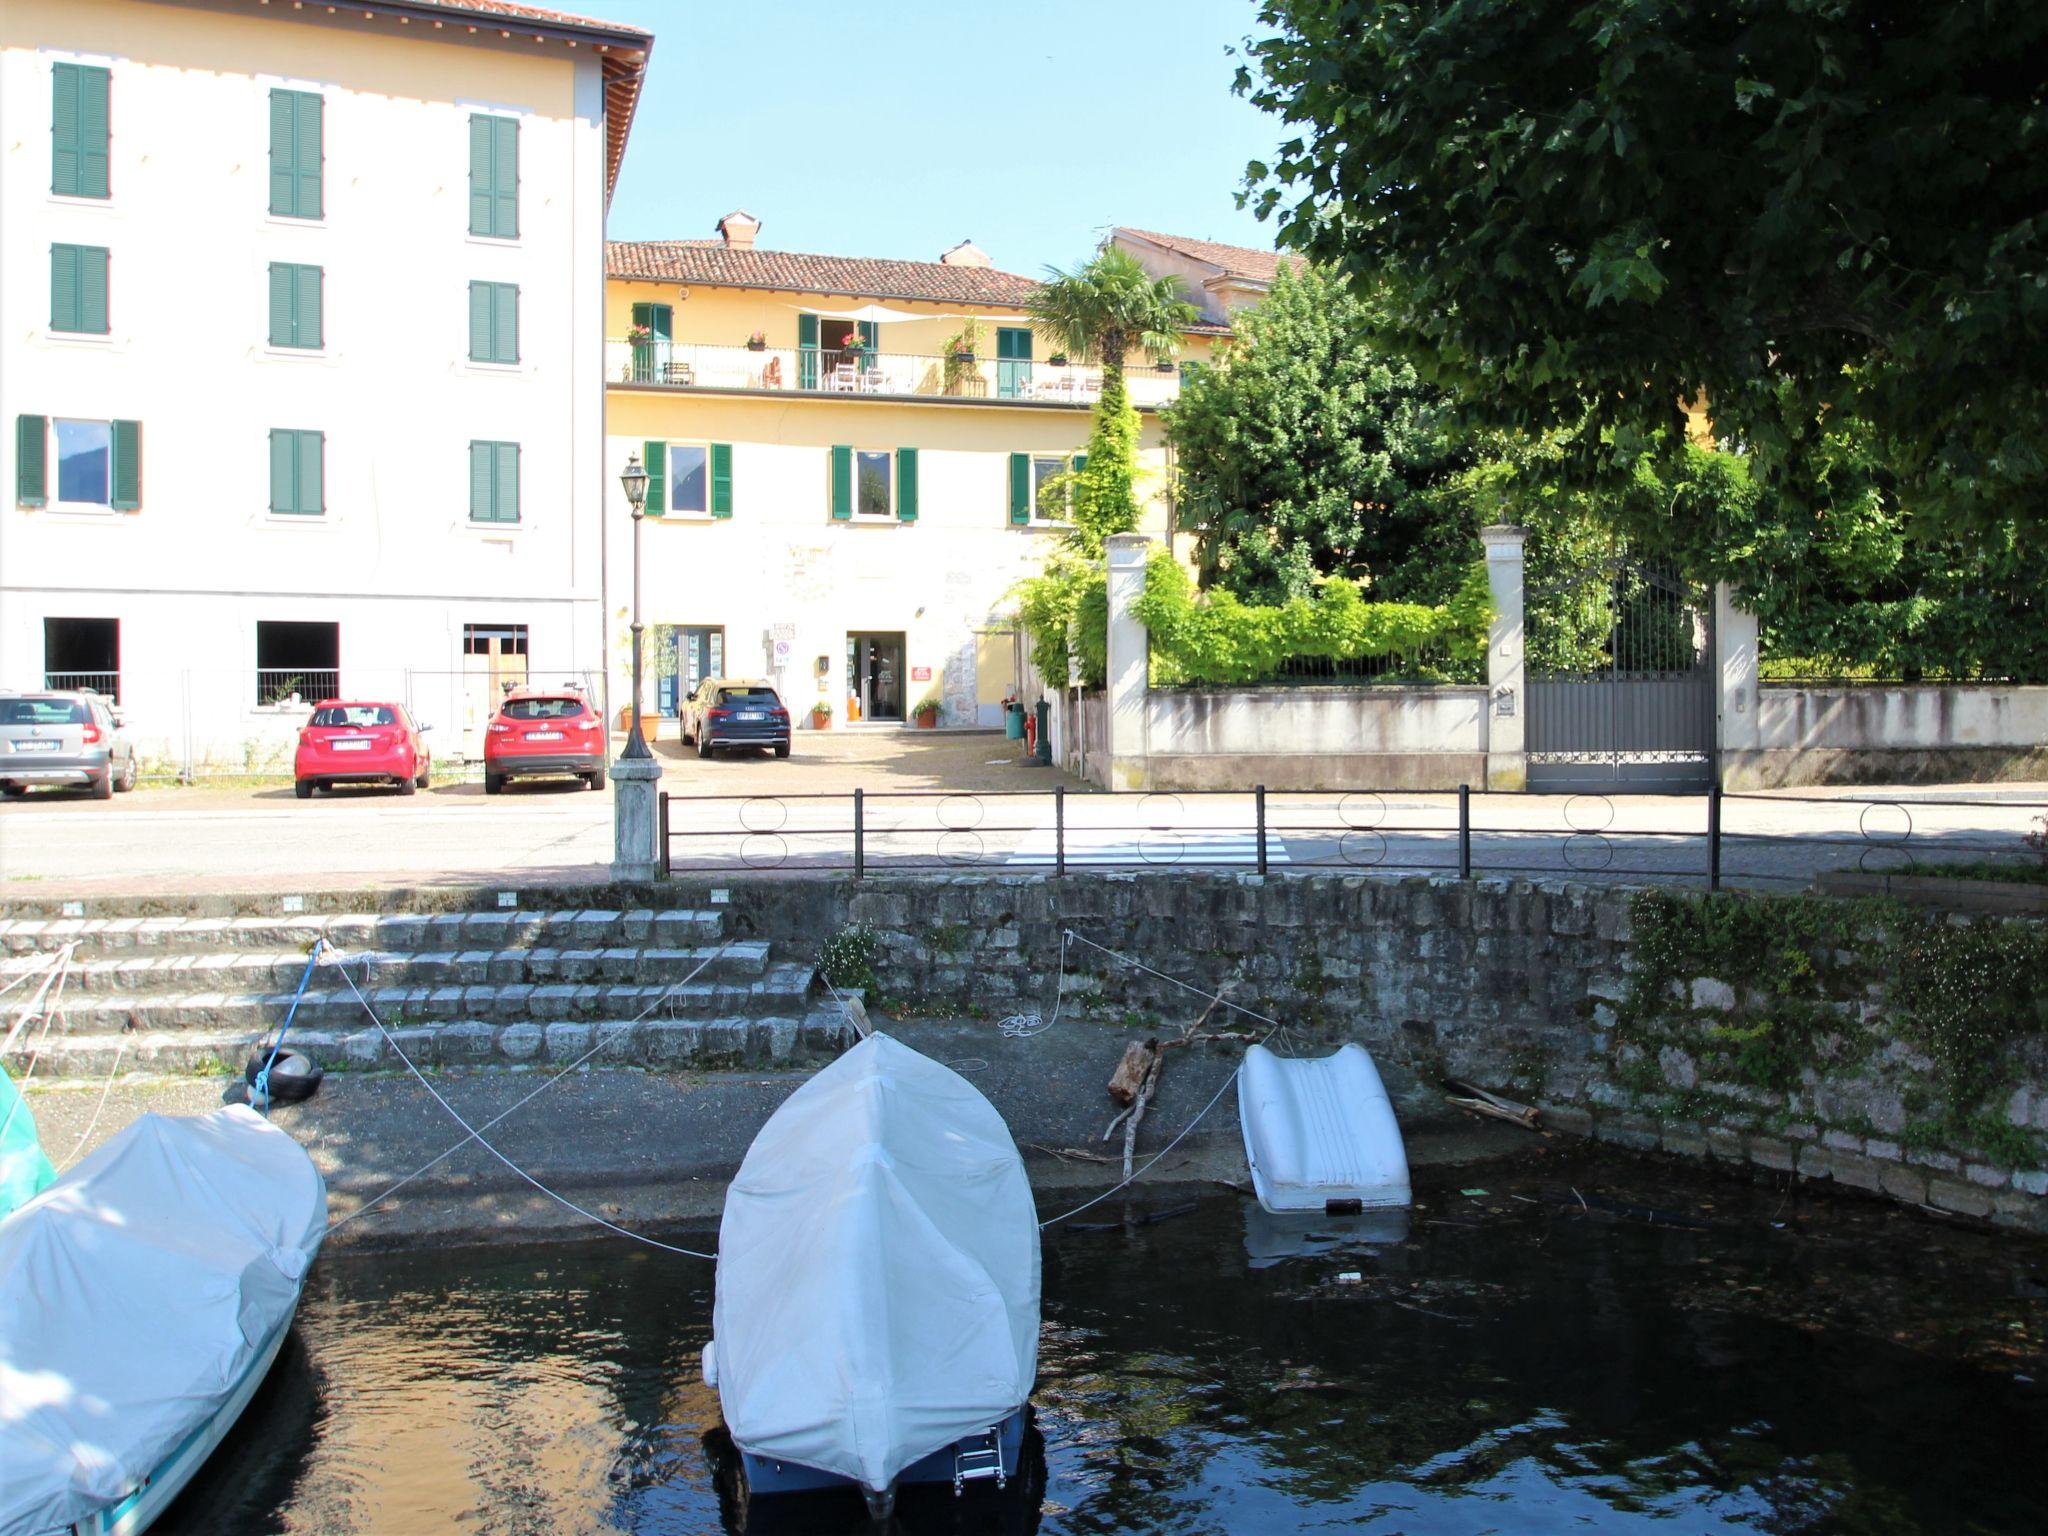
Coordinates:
1013 362
684 655
874 681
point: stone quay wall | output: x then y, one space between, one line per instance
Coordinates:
1553 994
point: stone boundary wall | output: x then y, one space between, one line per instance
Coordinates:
1881 734
1315 738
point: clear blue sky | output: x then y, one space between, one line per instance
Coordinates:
901 127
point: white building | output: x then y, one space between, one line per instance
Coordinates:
301 356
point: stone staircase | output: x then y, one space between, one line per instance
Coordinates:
193 994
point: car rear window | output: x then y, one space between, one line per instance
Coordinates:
42 712
354 714
747 696
543 709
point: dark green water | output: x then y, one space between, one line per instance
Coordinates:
1521 1364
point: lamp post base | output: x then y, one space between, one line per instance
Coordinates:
636 819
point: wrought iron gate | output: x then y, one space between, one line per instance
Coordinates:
1632 711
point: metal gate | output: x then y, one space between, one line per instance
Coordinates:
1632 710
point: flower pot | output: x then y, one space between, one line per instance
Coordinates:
963 357
757 346
927 720
821 720
1057 360
1165 367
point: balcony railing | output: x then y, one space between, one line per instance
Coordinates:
887 375
107 683
289 687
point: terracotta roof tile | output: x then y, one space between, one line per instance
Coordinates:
1238 260
713 263
514 11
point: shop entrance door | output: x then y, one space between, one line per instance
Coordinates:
684 655
874 675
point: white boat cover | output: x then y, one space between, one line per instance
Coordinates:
1320 1129
877 1270
134 1293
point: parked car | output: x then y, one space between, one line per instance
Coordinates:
734 712
63 739
348 742
544 733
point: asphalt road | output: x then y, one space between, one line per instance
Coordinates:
948 801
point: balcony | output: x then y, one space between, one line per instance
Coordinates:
877 375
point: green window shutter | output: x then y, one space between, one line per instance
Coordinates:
64 314
281 307
505 483
1080 462
505 322
480 314
306 323
842 484
311 155
284 474
31 458
78 130
125 472
807 352
1020 488
721 479
284 153
312 472
906 485
479 174
92 289
505 177
655 457
295 306
480 482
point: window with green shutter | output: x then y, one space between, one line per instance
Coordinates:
655 456
78 130
493 482
906 485
124 468
494 176
31 461
494 322
298 472
295 154
842 483
78 289
295 303
721 479
1020 488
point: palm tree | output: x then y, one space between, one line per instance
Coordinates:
1107 306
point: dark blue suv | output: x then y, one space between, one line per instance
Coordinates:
734 712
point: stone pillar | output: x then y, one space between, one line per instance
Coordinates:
1507 709
636 818
1129 660
1736 733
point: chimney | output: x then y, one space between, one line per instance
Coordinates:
965 254
739 228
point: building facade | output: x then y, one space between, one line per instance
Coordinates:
854 462
301 349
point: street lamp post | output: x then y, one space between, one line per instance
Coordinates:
636 855
634 479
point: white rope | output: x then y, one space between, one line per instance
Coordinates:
1023 1026
50 970
105 1088
58 975
1249 1013
476 1135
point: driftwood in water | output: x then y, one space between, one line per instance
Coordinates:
1477 1101
1131 1072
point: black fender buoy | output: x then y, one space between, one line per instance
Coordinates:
294 1076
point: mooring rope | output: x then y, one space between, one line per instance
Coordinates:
1025 1026
605 1038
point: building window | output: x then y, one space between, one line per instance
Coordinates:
1040 491
692 479
494 639
99 464
295 304
83 653
298 472
494 176
494 322
873 484
493 482
78 130
295 154
297 661
78 289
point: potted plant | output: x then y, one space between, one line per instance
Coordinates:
821 715
854 345
961 372
639 335
1058 360
1165 365
927 711
758 342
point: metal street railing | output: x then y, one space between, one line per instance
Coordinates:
1711 839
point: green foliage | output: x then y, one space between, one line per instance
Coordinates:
1218 639
847 959
1105 490
1607 208
1049 603
1309 451
1109 306
1970 991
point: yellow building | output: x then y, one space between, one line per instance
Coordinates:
846 457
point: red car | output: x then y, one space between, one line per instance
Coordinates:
540 734
359 743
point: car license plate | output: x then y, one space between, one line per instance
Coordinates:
351 746
543 735
752 714
35 746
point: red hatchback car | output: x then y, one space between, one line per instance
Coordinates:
539 734
360 743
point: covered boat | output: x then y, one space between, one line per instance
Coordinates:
878 1268
143 1297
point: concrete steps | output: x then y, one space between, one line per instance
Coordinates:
195 994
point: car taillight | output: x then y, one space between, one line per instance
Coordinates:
92 734
778 714
718 714
305 736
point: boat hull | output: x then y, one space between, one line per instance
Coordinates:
767 1477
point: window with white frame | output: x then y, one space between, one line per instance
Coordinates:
689 478
874 483
1054 505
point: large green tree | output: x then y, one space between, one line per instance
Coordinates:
1310 451
1597 208
1110 306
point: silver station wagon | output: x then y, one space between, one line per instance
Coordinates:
65 741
